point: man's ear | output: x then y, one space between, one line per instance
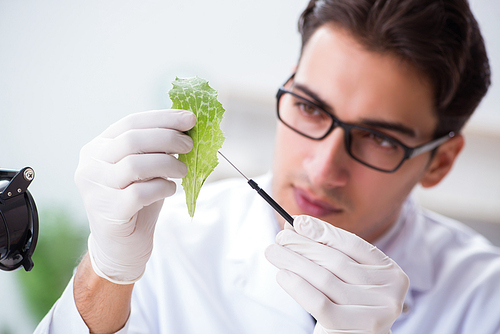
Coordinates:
442 161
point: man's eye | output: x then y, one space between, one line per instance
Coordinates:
381 141
308 109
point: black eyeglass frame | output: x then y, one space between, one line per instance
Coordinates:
409 152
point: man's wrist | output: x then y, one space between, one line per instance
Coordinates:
103 305
117 278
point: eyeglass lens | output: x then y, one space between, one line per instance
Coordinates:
363 144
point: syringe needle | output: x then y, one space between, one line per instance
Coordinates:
233 165
263 194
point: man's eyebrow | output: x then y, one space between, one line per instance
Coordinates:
392 126
313 95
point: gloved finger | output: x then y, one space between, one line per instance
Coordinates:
144 141
139 168
329 314
139 195
176 119
322 279
342 265
136 225
310 298
346 242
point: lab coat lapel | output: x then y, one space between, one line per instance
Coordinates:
249 269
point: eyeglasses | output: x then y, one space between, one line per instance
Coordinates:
367 146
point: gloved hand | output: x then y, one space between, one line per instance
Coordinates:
123 177
345 283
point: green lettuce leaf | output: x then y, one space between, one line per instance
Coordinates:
196 95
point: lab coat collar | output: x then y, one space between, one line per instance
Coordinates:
404 244
411 253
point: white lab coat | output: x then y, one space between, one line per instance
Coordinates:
209 274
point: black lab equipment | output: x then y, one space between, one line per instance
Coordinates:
18 219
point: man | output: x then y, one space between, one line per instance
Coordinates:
376 105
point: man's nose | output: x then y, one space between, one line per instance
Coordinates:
327 163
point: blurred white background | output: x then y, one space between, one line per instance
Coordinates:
68 69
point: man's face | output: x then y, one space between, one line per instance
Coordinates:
319 178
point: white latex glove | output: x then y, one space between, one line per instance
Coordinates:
123 177
345 283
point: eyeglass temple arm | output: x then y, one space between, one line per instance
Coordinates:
430 146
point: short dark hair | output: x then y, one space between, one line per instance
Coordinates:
441 38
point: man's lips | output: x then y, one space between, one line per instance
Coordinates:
311 206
